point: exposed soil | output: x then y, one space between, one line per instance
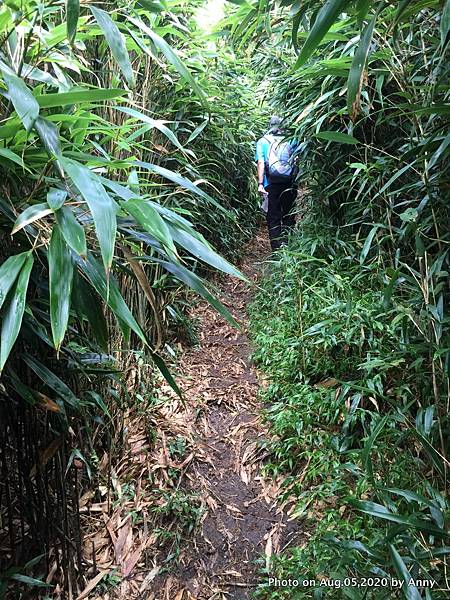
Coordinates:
241 525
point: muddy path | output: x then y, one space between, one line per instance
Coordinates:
205 521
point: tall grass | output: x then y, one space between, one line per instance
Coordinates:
357 342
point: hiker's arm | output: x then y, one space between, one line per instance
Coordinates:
260 176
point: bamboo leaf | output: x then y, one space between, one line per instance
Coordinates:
197 131
203 252
23 100
157 123
409 589
12 156
195 283
52 381
31 214
432 453
114 298
402 6
356 75
362 8
381 512
115 42
337 136
78 97
72 14
171 56
324 20
56 198
72 230
13 313
389 290
183 182
166 373
368 445
77 454
367 244
133 182
150 220
445 22
102 207
9 271
60 285
88 306
123 314
295 27
33 582
394 177
49 134
439 152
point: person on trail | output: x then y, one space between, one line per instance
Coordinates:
276 181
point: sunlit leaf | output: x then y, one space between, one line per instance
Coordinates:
203 252
9 271
102 206
324 20
49 134
157 123
115 42
183 182
78 97
30 215
23 100
171 56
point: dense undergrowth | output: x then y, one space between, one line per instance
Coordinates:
347 406
352 326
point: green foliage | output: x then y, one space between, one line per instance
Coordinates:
357 343
349 391
126 159
78 155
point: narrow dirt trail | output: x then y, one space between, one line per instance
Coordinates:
241 526
190 516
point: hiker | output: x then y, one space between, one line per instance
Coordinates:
276 181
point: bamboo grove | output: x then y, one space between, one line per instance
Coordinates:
116 149
358 346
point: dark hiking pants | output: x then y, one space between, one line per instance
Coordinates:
280 219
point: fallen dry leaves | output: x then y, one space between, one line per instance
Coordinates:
218 420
